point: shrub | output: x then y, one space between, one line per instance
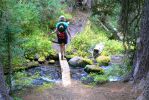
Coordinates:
37 44
113 47
92 35
100 79
95 79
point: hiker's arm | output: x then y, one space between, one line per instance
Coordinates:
53 31
68 31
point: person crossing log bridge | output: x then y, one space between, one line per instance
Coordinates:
62 32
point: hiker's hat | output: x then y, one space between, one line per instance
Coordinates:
62 18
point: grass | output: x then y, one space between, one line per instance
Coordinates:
44 87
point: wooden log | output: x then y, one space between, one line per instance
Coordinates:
66 78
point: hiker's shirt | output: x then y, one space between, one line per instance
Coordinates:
62 35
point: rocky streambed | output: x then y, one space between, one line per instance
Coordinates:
51 73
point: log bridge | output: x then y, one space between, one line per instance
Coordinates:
65 70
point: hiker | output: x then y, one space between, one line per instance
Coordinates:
62 31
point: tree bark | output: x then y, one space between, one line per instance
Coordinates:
141 71
142 64
4 91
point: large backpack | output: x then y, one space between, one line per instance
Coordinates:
61 27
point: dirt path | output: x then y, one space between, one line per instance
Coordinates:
78 91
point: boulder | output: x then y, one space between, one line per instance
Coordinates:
68 57
103 60
52 56
32 64
79 62
52 62
93 69
41 60
117 59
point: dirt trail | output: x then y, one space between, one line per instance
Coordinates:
78 91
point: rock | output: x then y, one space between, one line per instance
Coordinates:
98 49
117 59
94 69
68 57
78 73
36 57
41 60
27 61
32 64
88 80
52 56
52 62
103 60
88 61
78 62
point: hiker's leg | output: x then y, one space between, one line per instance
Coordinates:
64 49
61 50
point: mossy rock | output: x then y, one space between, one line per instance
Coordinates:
32 64
103 60
52 56
79 62
41 60
93 69
27 61
69 57
87 61
52 62
31 58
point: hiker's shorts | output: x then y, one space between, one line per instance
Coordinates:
60 41
63 38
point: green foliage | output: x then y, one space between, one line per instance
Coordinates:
108 10
118 70
37 44
97 79
27 24
17 98
113 47
100 79
44 87
92 35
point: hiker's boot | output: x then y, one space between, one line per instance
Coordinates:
63 57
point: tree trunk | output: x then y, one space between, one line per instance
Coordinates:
4 92
142 64
141 71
